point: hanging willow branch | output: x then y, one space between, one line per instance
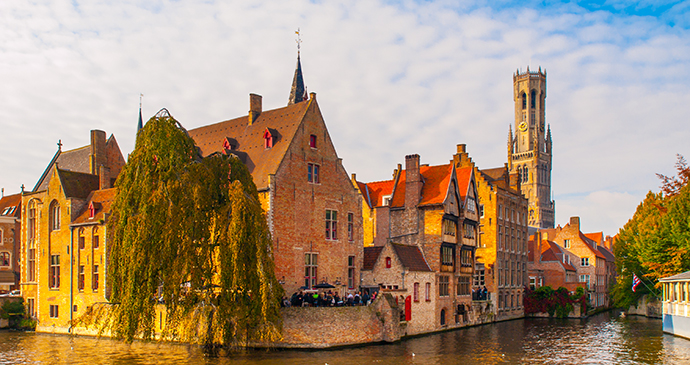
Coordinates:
189 233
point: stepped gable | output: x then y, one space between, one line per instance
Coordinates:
101 200
371 254
250 140
411 257
77 184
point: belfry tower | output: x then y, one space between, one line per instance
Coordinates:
530 148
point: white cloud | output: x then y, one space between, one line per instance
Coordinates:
392 79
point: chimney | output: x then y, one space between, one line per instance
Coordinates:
254 107
537 246
413 181
97 157
575 222
103 178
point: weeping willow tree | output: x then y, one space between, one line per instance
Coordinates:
189 234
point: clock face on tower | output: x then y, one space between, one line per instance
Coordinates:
523 126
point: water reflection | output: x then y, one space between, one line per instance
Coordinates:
602 339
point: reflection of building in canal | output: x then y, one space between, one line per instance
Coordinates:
676 304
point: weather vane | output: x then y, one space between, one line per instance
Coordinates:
298 40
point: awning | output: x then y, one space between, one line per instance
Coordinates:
6 277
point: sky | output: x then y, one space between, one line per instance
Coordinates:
392 78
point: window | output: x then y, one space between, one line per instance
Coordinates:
31 262
532 282
566 259
463 286
4 259
466 257
500 211
469 230
479 272
566 243
524 101
427 292
54 223
313 173
331 225
95 241
350 227
443 286
53 311
388 262
82 239
585 261
481 211
310 269
268 139
312 141
351 272
54 275
386 200
81 277
500 238
447 254
415 292
94 278
533 99
31 307
471 203
449 227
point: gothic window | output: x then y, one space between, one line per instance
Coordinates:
524 101
525 176
533 99
54 215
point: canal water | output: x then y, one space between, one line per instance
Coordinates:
602 339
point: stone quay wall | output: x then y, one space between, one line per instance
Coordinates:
648 307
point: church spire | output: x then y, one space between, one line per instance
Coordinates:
298 92
140 125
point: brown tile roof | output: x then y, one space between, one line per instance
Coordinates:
283 124
411 257
607 253
10 205
77 184
371 254
493 174
102 201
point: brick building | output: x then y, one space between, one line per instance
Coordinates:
502 254
10 225
64 235
313 211
550 265
432 210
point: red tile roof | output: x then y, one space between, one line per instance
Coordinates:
250 148
371 254
597 237
103 200
375 191
464 176
10 205
436 181
411 257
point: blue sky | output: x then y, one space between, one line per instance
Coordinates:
392 78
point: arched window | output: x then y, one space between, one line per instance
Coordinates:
82 239
54 224
443 317
533 99
95 239
524 101
525 176
519 171
31 222
31 251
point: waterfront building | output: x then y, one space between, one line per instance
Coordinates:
63 232
425 214
502 254
550 265
314 213
530 148
676 304
10 225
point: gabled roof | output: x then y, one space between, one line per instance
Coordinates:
102 201
493 174
260 161
374 192
411 257
591 244
77 184
597 237
550 252
435 184
607 253
682 276
464 176
371 254
10 206
73 160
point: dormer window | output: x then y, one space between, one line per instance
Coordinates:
312 141
268 139
227 145
387 200
92 210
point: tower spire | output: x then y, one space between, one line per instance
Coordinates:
298 92
140 125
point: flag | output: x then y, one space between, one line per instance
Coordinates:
635 282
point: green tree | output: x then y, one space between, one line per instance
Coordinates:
189 233
655 242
